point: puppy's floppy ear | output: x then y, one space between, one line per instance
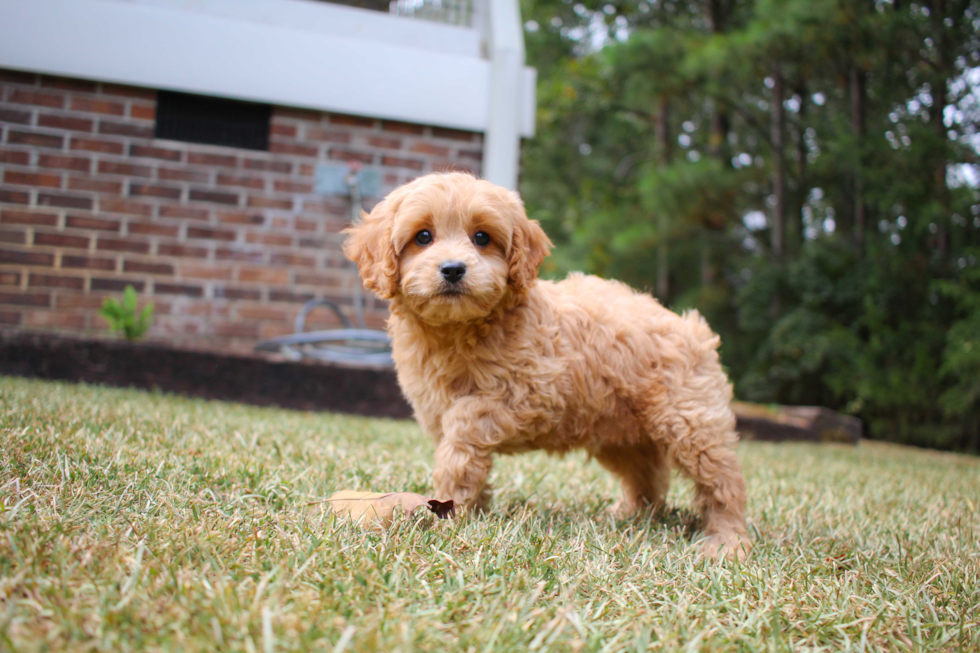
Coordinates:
528 248
369 245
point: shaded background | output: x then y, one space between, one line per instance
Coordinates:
800 171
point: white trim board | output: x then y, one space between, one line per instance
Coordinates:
286 57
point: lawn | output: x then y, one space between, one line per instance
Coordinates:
134 520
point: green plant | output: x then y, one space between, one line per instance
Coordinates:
122 316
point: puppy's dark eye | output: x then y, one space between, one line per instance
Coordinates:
481 238
423 237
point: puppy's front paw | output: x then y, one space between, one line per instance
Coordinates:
726 545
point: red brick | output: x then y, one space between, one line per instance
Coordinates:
125 129
199 158
60 240
270 166
9 319
68 84
241 218
25 299
148 268
64 201
237 330
196 176
210 234
143 111
78 164
128 169
235 254
211 196
32 179
385 142
54 281
423 147
293 260
289 296
17 257
92 145
98 106
402 127
318 280
96 224
455 134
79 301
117 285
88 263
475 155
263 313
205 272
279 129
293 187
398 162
291 148
306 170
37 98
13 237
113 205
23 217
16 117
352 121
241 182
15 158
315 243
184 212
349 155
65 122
14 197
301 224
95 185
15 137
282 240
153 229
118 245
237 293
182 251
326 135
8 278
270 203
49 320
148 152
177 289
146 190
129 91
263 275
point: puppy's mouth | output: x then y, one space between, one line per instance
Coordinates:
451 291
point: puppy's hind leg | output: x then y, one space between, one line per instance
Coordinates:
702 444
644 473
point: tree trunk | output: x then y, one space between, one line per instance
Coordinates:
663 248
778 128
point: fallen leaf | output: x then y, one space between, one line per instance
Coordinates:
380 506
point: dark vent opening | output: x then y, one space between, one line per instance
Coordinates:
212 121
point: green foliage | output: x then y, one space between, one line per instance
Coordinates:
660 160
122 316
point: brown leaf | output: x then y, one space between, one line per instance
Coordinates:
380 506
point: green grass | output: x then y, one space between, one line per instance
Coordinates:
132 520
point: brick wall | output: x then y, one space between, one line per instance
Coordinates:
226 243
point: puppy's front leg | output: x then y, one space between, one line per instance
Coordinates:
472 428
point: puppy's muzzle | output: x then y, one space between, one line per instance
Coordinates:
453 271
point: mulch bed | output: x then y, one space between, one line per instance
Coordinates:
245 379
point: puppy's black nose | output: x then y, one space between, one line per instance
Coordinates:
453 271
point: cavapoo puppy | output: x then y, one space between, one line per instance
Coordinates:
495 361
